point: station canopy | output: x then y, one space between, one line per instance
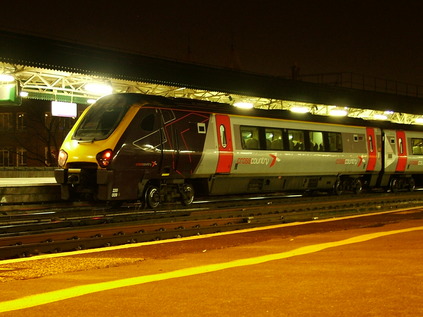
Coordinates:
54 70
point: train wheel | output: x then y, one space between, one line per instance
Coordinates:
338 188
411 184
187 193
357 186
152 197
395 185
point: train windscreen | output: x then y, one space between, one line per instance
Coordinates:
102 118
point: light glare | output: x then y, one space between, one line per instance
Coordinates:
6 78
243 105
380 117
299 109
99 88
338 112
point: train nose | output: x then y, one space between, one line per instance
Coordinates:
73 179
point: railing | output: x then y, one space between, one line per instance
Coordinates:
362 82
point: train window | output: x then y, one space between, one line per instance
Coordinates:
223 140
168 116
316 141
371 149
400 146
101 119
147 123
274 139
250 138
335 142
201 127
417 146
296 140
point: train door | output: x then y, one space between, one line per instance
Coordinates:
146 136
169 141
224 137
401 152
372 149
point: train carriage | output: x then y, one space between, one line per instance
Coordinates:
263 154
130 147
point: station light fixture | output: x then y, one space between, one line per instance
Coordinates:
338 112
6 78
98 88
380 117
298 109
418 120
243 105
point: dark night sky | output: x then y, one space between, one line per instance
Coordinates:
375 38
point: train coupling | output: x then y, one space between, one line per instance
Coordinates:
67 176
73 179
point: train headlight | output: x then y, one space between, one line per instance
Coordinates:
63 157
104 158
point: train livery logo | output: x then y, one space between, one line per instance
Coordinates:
351 161
271 161
147 164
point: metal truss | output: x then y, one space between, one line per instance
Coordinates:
47 84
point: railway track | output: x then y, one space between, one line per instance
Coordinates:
57 229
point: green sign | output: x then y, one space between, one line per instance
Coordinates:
9 95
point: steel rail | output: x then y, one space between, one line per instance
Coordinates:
132 227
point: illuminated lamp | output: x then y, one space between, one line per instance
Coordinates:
243 105
63 157
299 109
418 121
380 117
24 94
104 158
6 78
337 112
100 89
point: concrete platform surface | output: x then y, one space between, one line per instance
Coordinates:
360 266
27 181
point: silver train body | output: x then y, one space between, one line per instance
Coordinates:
158 148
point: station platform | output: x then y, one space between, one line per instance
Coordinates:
16 190
27 181
355 266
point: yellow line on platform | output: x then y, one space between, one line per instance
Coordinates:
72 292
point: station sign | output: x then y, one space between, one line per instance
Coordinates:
64 109
9 94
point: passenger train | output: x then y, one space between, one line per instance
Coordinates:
134 147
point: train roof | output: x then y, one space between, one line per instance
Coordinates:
224 108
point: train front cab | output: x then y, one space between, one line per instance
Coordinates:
148 155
